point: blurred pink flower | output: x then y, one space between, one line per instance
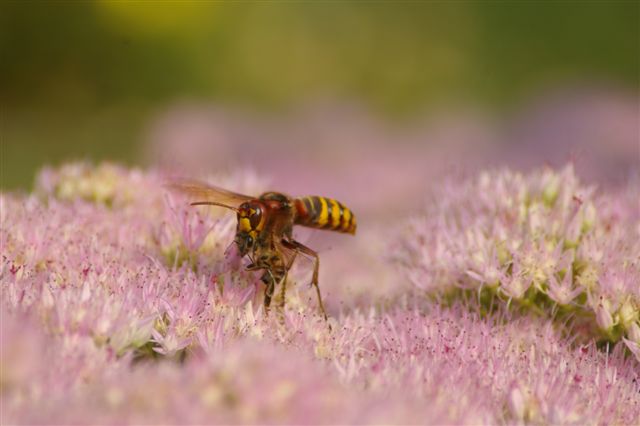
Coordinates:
525 236
101 322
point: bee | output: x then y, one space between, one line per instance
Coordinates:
264 231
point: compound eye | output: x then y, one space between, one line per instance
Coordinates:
255 218
249 241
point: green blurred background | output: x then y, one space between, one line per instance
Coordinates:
81 80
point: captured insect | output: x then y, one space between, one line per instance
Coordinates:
265 228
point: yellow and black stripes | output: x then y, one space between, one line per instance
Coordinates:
324 213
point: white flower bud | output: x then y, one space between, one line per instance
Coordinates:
627 313
633 331
551 190
517 403
588 217
604 318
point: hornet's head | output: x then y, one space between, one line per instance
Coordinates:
251 221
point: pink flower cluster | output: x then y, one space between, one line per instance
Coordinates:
122 305
543 242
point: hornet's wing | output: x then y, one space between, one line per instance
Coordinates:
201 193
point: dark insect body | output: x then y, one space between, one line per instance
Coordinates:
265 228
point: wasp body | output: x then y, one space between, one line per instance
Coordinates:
265 228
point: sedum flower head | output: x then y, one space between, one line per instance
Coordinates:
541 241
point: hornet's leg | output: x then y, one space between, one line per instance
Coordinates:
294 245
284 279
270 281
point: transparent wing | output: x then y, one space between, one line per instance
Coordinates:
289 254
202 193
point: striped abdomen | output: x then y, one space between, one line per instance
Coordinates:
324 213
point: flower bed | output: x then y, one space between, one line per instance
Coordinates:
121 304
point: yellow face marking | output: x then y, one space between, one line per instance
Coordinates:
346 217
335 213
323 218
244 224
